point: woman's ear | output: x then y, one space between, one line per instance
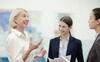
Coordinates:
71 27
15 19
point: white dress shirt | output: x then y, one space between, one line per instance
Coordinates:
17 44
63 46
97 34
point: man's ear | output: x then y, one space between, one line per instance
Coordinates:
98 21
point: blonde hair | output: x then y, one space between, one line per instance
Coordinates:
14 13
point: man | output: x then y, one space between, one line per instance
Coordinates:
94 23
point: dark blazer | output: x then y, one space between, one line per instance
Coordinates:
74 49
94 54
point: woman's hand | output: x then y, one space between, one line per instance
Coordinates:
35 45
32 46
41 53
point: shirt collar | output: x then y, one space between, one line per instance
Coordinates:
65 38
18 33
97 34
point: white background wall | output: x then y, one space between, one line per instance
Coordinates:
79 9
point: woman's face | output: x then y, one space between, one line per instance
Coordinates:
92 22
22 19
63 28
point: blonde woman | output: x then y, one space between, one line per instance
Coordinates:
19 46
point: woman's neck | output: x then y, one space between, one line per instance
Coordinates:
20 30
64 36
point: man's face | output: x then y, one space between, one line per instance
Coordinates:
92 21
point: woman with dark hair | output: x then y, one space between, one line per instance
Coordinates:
94 23
66 44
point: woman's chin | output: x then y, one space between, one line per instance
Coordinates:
25 25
